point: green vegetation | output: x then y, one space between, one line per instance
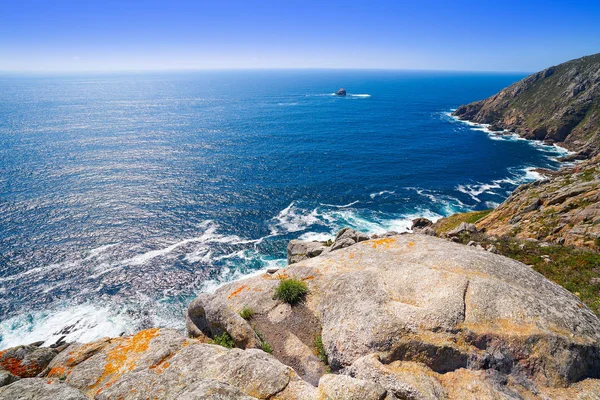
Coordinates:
447 224
247 313
575 269
588 175
318 344
328 243
291 291
266 347
224 340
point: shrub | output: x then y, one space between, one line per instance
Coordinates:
291 291
247 313
224 340
318 344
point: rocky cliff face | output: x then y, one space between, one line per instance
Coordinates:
399 317
563 209
560 104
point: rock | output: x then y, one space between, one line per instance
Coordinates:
348 237
416 298
6 378
335 387
272 270
420 223
210 389
492 249
462 228
533 206
298 250
406 380
162 364
213 317
26 361
425 231
40 389
472 243
341 92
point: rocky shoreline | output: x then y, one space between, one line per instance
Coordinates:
402 316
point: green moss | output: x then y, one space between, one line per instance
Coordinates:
318 344
247 313
224 340
328 243
291 291
447 224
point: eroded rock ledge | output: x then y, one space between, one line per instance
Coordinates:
399 317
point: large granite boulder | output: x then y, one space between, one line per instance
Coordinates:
422 300
163 364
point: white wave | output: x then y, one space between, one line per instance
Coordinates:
373 195
209 236
316 236
359 95
86 323
99 250
474 190
227 275
288 104
293 219
343 206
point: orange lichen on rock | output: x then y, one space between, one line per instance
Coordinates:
383 242
123 357
237 291
18 368
308 278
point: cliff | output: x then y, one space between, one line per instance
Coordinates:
400 317
560 104
564 209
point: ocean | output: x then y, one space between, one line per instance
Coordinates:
123 196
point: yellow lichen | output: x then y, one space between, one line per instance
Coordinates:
123 358
387 242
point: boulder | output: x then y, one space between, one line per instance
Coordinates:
6 378
464 227
40 389
335 387
298 250
420 299
26 361
420 223
162 364
341 92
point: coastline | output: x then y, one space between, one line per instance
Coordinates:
227 276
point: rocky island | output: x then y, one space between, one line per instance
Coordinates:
492 304
341 92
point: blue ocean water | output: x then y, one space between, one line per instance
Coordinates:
123 196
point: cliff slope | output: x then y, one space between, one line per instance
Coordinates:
560 104
564 209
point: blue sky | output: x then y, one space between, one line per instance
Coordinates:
420 34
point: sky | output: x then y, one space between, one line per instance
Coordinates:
483 35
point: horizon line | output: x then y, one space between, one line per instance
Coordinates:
249 69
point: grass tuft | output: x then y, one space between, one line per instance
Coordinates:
292 291
318 344
247 313
224 340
